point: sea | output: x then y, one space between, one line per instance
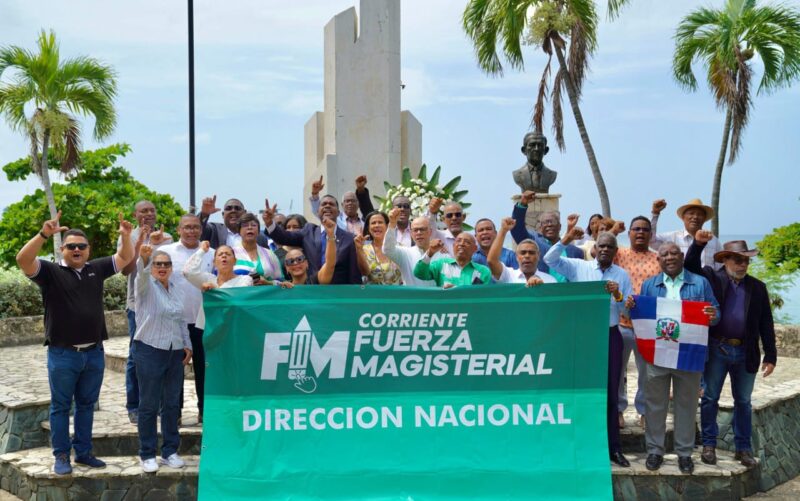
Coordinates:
790 312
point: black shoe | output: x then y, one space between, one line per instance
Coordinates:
746 458
686 465
653 462
709 455
618 458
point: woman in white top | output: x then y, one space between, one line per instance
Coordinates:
224 261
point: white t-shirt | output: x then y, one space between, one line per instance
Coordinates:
512 276
191 296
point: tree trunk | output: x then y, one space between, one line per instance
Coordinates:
723 150
576 111
48 192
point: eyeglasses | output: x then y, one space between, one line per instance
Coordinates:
76 246
402 206
452 215
162 264
640 230
294 260
234 207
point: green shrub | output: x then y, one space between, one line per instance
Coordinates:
19 297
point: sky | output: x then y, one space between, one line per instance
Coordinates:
259 77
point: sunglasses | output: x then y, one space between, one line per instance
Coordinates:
234 207
76 246
402 206
162 264
294 260
452 215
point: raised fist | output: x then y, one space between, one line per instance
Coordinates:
658 206
507 223
527 197
703 236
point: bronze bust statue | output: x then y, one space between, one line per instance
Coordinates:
534 175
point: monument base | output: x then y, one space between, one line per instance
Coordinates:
544 202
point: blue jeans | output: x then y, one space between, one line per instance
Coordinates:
77 375
131 383
724 359
160 374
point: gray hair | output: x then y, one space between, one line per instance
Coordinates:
529 241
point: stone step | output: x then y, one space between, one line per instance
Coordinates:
7 496
117 437
728 480
29 474
116 350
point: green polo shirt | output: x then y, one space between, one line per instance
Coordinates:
447 271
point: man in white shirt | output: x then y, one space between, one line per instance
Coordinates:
694 214
407 257
189 232
454 217
527 257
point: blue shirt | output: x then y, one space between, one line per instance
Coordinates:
580 270
694 288
733 324
507 257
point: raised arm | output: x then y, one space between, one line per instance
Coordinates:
424 269
519 232
563 265
193 269
26 257
361 257
275 232
325 273
125 252
496 250
655 239
693 259
390 247
362 194
142 282
208 208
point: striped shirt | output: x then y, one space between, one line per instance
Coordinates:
159 312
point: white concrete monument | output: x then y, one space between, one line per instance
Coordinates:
362 130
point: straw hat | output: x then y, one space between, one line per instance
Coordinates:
696 203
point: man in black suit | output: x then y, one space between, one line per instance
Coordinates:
733 342
312 239
227 232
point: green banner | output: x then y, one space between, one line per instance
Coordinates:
348 392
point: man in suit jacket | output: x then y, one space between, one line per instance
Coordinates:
550 228
227 232
312 239
733 343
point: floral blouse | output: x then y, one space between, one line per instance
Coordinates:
381 273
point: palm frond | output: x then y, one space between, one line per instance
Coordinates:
696 37
579 53
13 99
492 24
614 7
558 113
72 147
537 119
86 70
740 107
88 101
773 32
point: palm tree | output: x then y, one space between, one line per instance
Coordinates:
726 40
548 24
54 89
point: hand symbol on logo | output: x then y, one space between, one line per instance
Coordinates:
306 384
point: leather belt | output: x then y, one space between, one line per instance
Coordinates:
83 348
730 341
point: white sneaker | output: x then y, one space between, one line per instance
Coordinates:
149 465
174 461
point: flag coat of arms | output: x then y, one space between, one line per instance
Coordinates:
671 333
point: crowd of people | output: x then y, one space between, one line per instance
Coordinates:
361 245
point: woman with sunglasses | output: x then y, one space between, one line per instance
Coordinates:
294 222
252 259
162 348
373 263
297 264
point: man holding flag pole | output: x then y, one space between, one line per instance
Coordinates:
670 319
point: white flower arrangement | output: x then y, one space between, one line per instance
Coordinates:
420 190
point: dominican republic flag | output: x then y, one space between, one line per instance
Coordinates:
671 333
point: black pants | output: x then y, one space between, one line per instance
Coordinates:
614 369
198 364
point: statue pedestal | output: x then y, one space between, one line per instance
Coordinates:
544 202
